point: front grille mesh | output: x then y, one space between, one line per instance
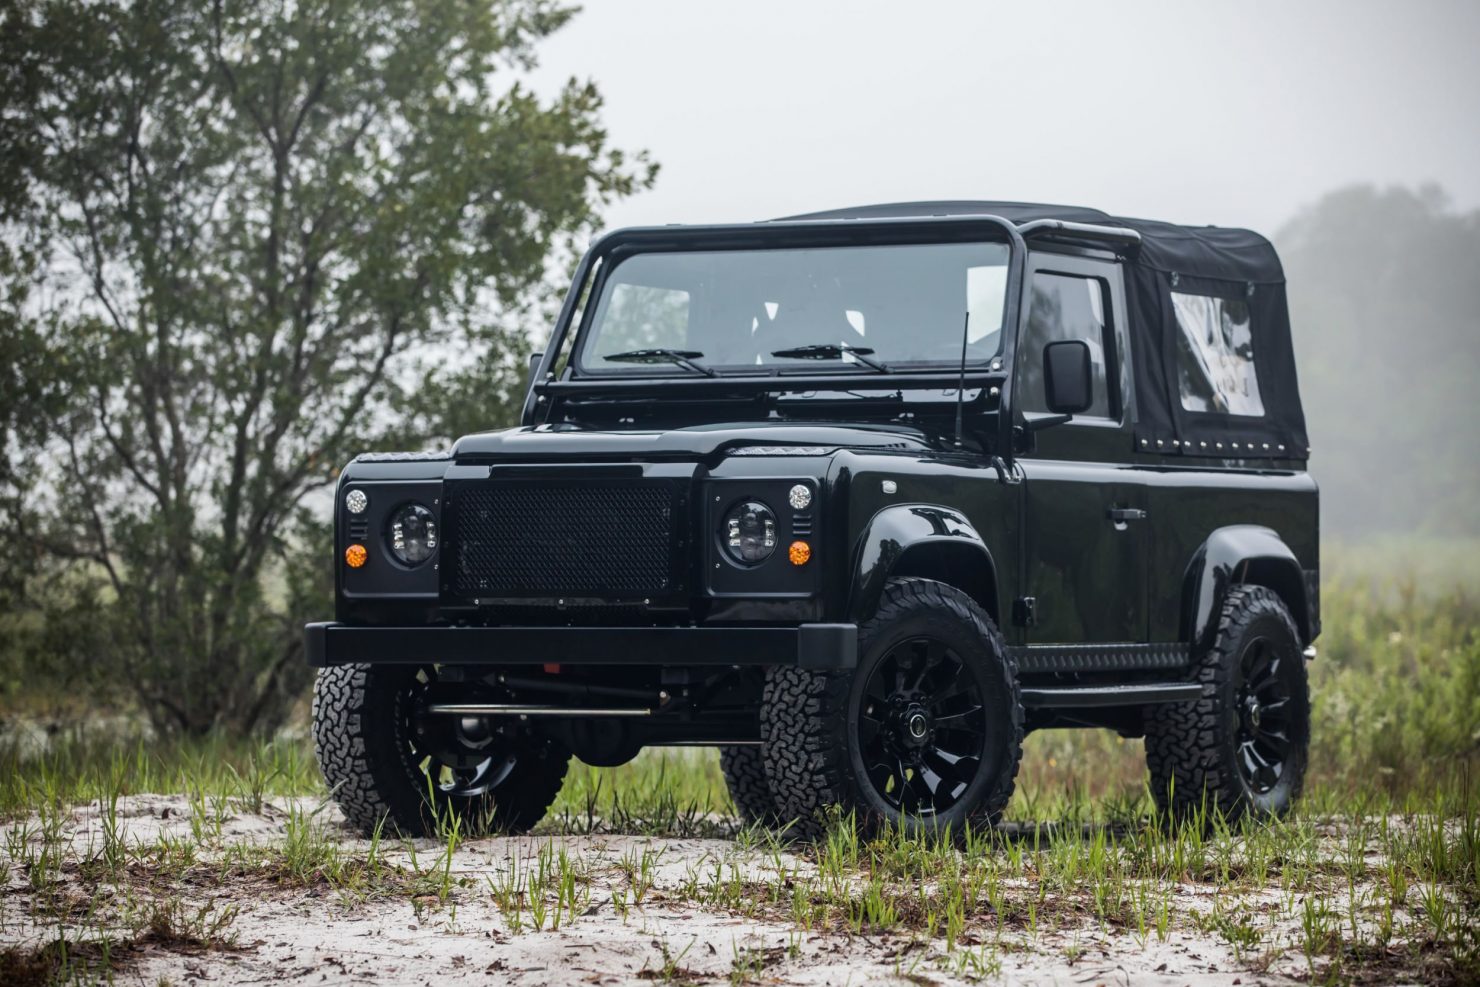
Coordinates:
551 538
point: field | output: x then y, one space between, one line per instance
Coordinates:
129 858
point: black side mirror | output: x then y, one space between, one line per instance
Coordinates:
1068 381
534 368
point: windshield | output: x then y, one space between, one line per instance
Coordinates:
890 306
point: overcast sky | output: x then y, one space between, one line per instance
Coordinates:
1198 112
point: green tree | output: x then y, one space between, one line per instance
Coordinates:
1385 302
266 236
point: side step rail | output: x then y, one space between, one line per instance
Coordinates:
1082 696
523 710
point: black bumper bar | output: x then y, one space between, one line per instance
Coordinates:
807 646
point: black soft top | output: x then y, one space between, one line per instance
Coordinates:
1212 251
1237 267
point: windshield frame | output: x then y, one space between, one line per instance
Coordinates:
554 381
598 299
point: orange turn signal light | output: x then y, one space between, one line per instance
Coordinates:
355 556
799 552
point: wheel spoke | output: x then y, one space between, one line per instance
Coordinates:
962 766
928 776
1251 763
950 766
1273 682
939 787
1275 710
879 773
913 792
1270 672
1276 736
1259 770
901 780
936 652
928 659
1256 660
956 687
1271 752
966 719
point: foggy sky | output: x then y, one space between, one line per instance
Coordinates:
1226 113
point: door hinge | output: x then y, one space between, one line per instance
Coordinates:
1025 612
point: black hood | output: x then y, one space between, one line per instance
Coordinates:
694 442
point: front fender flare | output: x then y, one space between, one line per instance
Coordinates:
920 540
1240 553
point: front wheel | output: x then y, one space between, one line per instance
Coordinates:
1241 748
389 762
925 734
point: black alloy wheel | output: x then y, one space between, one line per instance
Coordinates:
462 758
922 728
1265 709
925 734
1240 749
389 761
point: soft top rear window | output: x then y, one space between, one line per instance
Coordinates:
1215 356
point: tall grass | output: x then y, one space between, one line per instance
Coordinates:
82 767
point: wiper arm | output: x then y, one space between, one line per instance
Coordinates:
681 358
832 351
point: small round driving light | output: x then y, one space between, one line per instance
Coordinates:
799 553
412 534
355 556
355 502
799 497
749 533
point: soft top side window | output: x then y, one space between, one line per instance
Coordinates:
1215 356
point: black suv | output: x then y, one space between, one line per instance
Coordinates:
860 498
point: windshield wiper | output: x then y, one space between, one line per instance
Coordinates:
681 358
832 351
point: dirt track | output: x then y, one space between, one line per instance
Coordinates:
306 928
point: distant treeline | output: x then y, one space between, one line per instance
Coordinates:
1385 294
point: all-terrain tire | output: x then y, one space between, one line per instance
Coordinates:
360 728
809 718
745 776
1194 749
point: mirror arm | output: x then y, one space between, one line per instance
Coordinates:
1031 425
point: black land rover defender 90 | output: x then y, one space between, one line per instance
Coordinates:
860 498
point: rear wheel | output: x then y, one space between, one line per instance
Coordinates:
926 733
1241 748
385 758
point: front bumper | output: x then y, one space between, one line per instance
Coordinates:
818 646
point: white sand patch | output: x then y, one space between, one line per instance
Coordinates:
681 930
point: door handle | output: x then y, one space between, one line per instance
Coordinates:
1121 514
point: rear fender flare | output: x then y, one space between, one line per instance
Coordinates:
925 540
1240 553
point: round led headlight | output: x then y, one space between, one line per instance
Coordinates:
749 533
412 534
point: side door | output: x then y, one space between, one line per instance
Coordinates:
1085 537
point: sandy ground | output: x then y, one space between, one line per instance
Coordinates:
315 934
